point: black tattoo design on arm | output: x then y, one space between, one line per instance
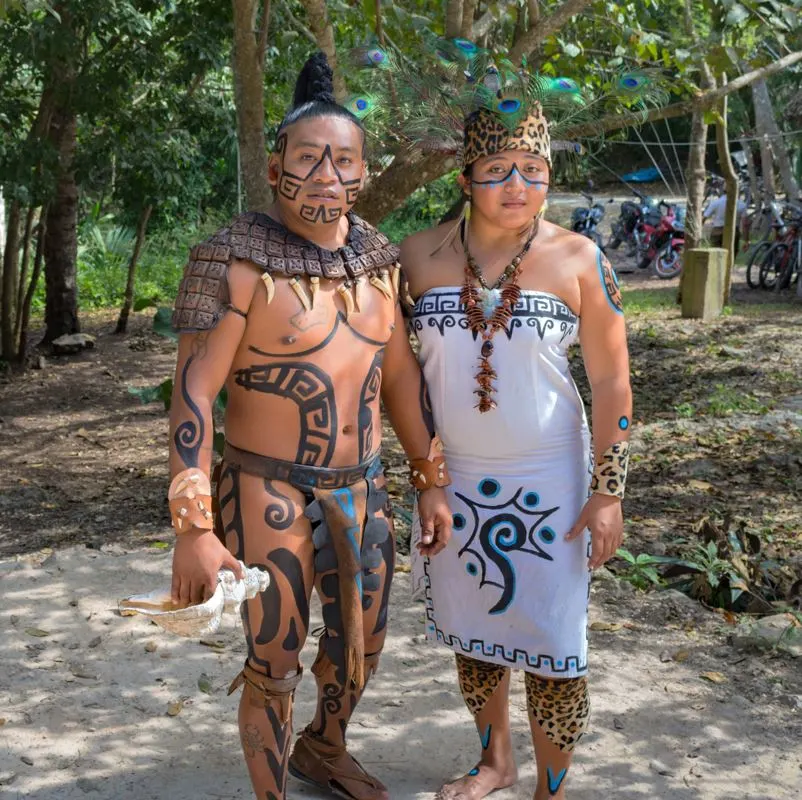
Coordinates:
367 402
610 283
188 436
313 392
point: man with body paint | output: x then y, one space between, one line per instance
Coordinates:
501 297
296 313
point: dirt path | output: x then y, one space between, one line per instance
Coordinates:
85 706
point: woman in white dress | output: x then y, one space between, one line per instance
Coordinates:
497 305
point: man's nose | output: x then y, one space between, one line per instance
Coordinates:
325 172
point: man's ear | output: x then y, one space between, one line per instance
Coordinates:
272 170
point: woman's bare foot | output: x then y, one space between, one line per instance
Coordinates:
481 781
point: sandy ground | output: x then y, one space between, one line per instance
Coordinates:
84 707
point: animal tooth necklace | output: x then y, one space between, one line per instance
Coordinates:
488 309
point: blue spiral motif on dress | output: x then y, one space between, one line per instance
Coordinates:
516 526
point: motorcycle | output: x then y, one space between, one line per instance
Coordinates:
665 241
629 227
587 220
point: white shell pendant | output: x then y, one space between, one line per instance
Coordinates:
204 618
489 300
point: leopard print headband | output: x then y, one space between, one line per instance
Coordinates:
486 134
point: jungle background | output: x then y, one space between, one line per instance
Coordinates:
131 130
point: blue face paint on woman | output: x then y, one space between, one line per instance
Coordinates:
500 181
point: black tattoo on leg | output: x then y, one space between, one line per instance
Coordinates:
188 436
252 741
236 526
313 392
281 514
292 570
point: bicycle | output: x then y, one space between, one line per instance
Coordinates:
783 261
775 229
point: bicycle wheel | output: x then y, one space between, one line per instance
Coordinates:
789 268
773 265
753 265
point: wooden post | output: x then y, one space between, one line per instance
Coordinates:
704 272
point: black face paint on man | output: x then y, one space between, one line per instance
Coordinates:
317 168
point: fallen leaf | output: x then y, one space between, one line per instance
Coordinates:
215 644
150 647
714 677
606 626
160 545
37 632
174 708
702 486
2 721
403 568
204 684
681 655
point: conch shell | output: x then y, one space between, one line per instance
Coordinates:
202 619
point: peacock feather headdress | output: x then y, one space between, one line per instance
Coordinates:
466 102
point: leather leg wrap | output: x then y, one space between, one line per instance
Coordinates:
561 708
322 662
478 681
264 690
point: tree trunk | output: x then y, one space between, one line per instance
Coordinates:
453 18
390 189
249 100
468 13
28 300
141 230
731 181
61 238
324 34
9 283
764 115
23 272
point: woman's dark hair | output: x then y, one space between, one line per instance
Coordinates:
314 95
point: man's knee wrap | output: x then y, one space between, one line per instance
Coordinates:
478 681
323 662
561 708
264 691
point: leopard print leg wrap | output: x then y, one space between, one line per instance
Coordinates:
478 681
561 708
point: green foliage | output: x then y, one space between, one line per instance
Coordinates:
730 569
640 570
423 209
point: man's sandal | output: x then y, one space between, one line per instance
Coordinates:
330 767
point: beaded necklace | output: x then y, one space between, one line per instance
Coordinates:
489 310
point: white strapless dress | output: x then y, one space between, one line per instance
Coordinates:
508 589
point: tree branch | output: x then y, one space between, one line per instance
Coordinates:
704 100
546 27
299 26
